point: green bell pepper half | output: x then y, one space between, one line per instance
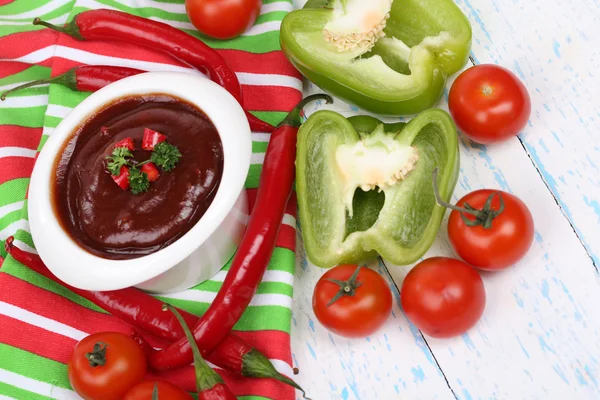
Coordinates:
398 222
403 73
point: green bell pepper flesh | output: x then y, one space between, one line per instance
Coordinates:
399 222
405 71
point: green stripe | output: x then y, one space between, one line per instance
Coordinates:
282 259
52 14
17 393
31 117
9 218
33 366
146 12
253 177
13 191
20 7
263 288
272 117
259 147
63 96
272 16
32 73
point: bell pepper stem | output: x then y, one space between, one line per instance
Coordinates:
67 79
293 118
483 217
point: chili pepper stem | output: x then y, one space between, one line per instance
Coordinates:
257 365
483 217
69 29
155 392
206 377
67 79
293 118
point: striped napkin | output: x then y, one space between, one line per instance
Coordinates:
41 321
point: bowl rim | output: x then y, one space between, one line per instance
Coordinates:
84 270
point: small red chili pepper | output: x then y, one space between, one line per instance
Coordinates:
123 178
127 143
145 312
255 250
151 139
209 384
84 78
151 170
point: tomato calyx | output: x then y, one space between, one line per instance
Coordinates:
347 288
97 357
483 217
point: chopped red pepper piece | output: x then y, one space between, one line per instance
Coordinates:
151 139
151 170
127 143
123 178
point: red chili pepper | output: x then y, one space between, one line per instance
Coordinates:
209 384
84 78
123 178
117 25
255 250
127 143
146 313
151 139
151 170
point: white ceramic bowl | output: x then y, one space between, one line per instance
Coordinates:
193 258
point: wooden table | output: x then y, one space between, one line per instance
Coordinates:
540 335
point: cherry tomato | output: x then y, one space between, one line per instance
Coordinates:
105 365
166 390
443 297
223 19
489 103
502 244
352 301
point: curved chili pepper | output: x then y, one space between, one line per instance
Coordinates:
253 255
145 312
209 384
84 78
117 25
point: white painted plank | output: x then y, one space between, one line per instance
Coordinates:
553 46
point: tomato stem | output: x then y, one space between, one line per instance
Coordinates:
347 288
97 357
483 217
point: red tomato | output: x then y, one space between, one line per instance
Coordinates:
124 366
443 297
223 19
364 304
489 103
501 245
166 390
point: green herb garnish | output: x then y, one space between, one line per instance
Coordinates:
165 155
138 181
120 157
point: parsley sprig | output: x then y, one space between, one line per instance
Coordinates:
164 155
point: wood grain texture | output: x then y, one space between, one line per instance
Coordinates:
540 334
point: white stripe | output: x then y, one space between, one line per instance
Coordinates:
277 6
47 131
48 324
55 110
25 101
260 137
247 78
35 386
263 28
267 299
289 220
37 56
12 207
282 367
24 246
12 229
3 397
56 21
16 152
257 158
14 85
270 276
38 12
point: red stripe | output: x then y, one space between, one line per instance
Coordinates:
15 168
274 62
270 98
20 136
8 68
22 43
5 2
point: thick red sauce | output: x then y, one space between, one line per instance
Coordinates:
114 223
